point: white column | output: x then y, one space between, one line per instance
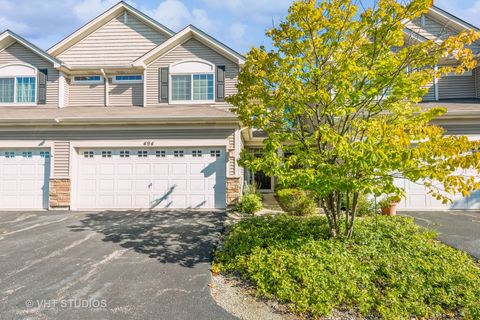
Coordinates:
61 90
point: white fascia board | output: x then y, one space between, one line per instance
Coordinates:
450 17
100 21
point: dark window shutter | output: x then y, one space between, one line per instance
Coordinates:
220 84
42 86
163 84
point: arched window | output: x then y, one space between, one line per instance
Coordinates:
18 84
192 81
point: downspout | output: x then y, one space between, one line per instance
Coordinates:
435 81
106 86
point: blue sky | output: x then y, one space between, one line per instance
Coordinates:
238 23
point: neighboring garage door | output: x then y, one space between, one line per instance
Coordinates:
24 178
418 198
151 178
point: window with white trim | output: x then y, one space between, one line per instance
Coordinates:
106 154
142 153
160 153
27 154
87 79
9 154
128 78
178 153
18 89
215 153
192 87
124 154
88 154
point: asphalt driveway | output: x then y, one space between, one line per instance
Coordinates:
459 229
108 265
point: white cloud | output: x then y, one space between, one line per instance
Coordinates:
237 32
15 26
87 9
176 15
259 10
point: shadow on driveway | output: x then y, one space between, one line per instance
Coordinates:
172 236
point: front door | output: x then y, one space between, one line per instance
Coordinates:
262 181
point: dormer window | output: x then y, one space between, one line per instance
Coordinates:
192 82
18 84
87 79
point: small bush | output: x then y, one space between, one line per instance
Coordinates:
390 268
249 204
365 206
297 202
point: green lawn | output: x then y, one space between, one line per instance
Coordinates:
390 268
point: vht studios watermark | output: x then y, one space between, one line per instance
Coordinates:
67 304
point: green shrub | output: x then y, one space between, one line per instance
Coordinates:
249 204
391 267
297 202
365 206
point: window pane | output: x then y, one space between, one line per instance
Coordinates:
6 90
87 78
129 78
203 87
181 87
26 89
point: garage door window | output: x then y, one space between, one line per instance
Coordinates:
44 154
196 153
27 154
160 153
142 153
88 154
215 153
9 154
106 154
178 153
124 154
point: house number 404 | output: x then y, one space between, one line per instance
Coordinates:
148 143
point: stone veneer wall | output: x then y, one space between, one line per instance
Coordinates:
233 190
59 193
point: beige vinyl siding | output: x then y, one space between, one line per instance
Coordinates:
86 95
433 30
190 49
115 43
61 159
125 94
454 87
17 53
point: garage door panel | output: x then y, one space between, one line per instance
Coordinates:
157 178
24 178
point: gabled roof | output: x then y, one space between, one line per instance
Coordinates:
8 37
444 15
187 33
102 20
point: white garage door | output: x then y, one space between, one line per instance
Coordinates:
418 198
151 178
24 177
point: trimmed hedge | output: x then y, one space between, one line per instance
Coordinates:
297 202
390 268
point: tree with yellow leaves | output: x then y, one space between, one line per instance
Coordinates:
339 94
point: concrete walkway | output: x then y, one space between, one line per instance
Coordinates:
459 229
270 205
